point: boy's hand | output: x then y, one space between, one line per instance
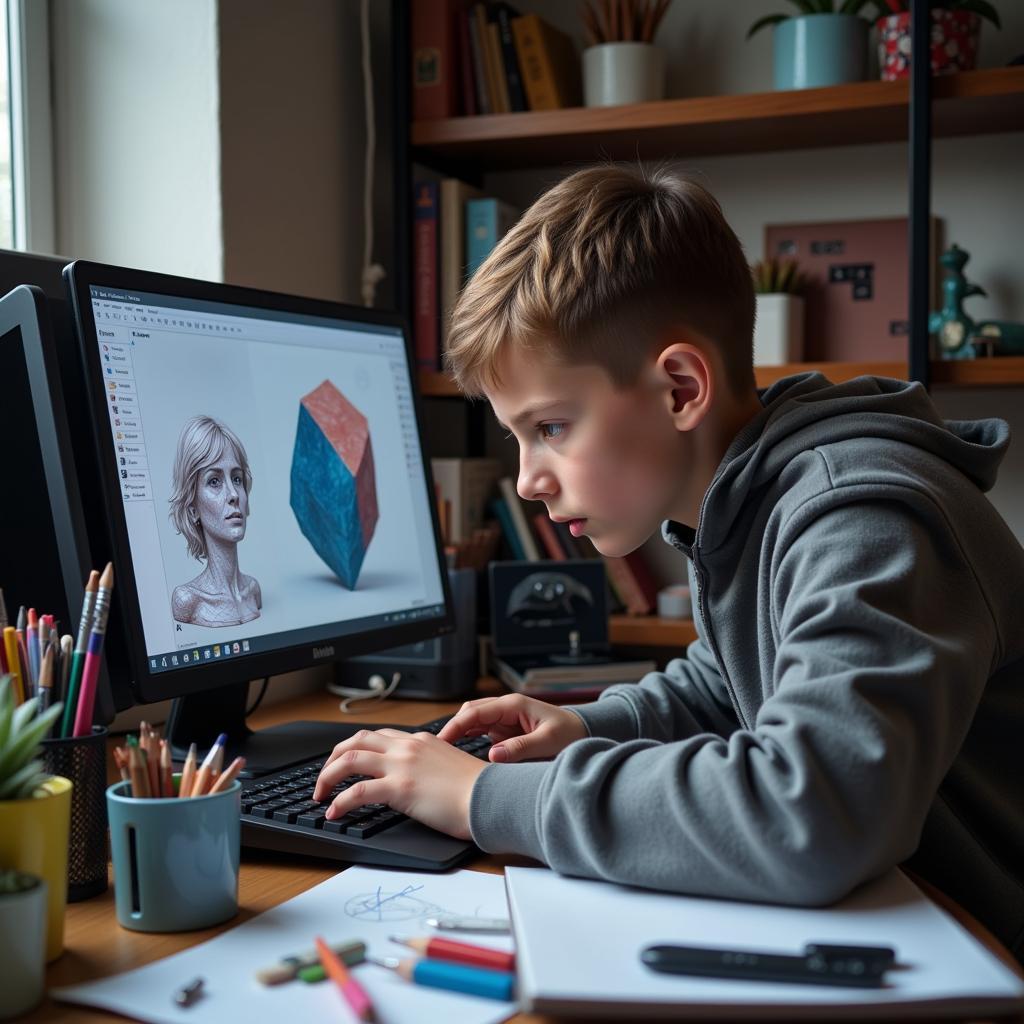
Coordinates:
522 728
414 773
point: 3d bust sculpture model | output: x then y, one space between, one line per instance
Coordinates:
209 508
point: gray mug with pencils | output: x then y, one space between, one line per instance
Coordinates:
175 858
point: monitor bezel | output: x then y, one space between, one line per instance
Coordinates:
83 275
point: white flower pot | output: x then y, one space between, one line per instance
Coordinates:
616 73
779 330
22 950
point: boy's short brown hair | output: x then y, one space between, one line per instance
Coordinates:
597 270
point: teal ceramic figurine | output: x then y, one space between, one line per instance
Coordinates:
959 335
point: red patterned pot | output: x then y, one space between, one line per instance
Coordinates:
954 43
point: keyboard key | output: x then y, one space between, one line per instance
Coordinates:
267 810
370 826
311 819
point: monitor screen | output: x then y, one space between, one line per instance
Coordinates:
271 501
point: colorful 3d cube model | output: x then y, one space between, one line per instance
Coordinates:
333 485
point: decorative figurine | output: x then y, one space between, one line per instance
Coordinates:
959 335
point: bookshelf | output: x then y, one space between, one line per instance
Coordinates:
651 631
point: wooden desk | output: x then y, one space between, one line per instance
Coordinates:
96 946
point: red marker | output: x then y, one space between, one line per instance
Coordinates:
461 952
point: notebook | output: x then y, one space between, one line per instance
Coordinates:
943 970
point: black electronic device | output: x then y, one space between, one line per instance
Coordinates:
440 668
549 630
310 408
45 553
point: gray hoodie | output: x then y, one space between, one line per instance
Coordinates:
855 696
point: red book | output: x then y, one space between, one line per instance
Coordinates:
426 317
644 579
465 53
434 65
546 531
625 585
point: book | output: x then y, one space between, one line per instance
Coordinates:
425 323
476 53
637 564
498 66
513 75
432 32
546 532
487 58
538 678
454 196
515 508
464 53
500 509
548 63
487 221
465 486
622 581
943 970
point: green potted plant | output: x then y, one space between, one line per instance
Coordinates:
956 28
825 43
22 942
35 809
779 324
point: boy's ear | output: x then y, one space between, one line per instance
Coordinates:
687 377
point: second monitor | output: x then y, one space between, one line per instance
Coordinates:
270 502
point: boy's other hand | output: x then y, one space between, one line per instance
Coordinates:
521 728
413 773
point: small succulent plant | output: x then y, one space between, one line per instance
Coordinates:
21 729
776 275
12 882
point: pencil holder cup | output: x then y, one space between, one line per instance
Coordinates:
22 942
83 760
34 838
175 860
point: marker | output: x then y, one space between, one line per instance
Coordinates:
32 642
351 953
460 952
474 981
66 645
354 993
454 923
91 671
202 780
78 657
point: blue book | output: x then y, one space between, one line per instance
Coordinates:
487 220
501 513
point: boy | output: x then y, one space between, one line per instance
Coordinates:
854 698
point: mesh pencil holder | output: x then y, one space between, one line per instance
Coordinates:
83 760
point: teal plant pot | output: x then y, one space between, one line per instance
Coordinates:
815 50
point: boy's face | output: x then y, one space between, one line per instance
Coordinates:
608 460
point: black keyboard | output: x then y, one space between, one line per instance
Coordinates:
279 813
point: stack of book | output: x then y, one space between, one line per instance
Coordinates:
487 58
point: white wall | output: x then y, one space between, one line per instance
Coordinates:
975 189
137 134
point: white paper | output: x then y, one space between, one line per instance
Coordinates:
941 964
364 904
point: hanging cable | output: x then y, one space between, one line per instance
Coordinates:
373 273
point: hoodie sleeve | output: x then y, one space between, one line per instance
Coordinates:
689 697
883 645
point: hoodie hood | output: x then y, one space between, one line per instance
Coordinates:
807 411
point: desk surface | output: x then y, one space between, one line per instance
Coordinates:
96 946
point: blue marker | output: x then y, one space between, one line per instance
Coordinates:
474 981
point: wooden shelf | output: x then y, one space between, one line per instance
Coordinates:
968 103
650 631
1000 371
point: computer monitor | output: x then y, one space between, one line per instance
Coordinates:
269 500
55 530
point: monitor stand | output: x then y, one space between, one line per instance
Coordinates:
200 718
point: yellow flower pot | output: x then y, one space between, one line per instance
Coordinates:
34 838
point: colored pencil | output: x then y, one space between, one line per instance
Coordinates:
45 686
66 645
228 776
438 948
202 780
32 642
188 773
78 658
137 770
166 775
354 993
14 663
91 671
